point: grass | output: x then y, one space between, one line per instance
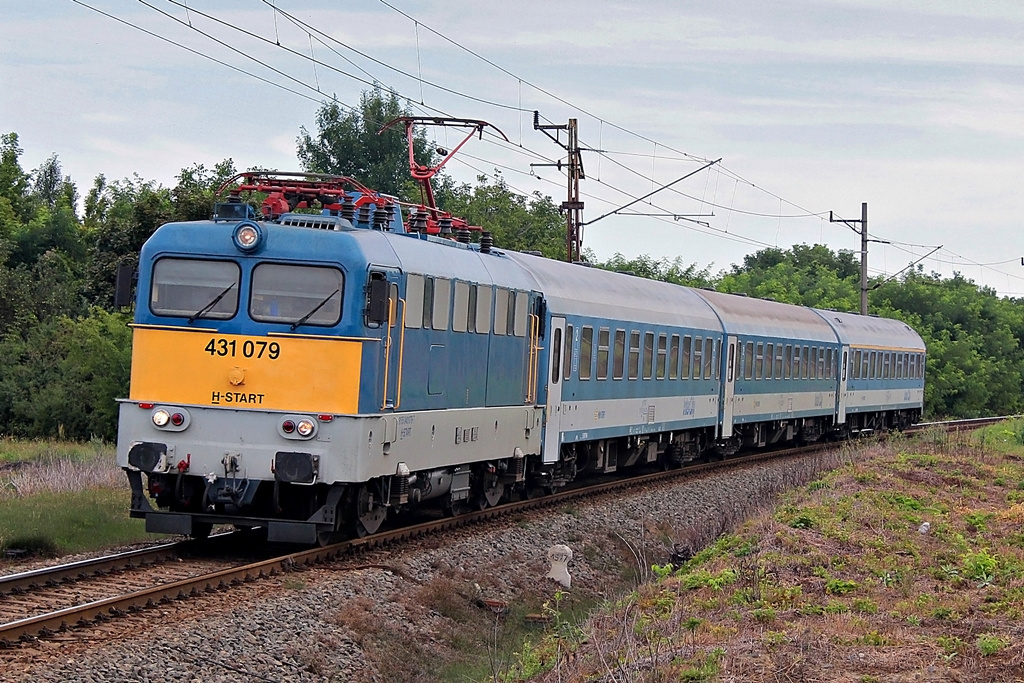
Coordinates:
842 575
60 497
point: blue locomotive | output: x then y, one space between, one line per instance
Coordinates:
315 373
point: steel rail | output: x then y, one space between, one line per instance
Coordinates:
73 571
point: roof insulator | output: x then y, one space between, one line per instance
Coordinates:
382 217
348 209
445 224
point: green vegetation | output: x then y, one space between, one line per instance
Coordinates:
841 576
68 522
60 497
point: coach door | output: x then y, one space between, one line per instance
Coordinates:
841 399
729 388
553 402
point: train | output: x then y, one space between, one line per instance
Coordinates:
327 362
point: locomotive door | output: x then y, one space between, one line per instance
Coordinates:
729 388
841 399
387 308
553 402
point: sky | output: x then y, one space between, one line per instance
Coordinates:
916 108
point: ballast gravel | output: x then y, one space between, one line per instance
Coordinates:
311 625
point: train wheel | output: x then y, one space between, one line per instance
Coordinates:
326 538
370 514
457 507
492 496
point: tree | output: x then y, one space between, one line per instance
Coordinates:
121 217
194 195
666 270
14 183
347 143
517 222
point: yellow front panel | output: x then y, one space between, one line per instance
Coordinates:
236 371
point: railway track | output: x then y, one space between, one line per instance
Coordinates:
54 599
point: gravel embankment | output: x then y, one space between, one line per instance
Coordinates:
368 619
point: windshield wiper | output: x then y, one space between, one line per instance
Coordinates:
207 307
315 308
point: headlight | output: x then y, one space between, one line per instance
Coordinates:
161 417
300 427
304 427
247 235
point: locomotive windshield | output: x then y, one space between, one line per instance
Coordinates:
297 295
194 288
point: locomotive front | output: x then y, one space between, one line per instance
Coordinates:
252 341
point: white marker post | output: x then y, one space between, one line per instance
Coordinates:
559 556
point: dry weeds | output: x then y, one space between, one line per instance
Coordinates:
56 474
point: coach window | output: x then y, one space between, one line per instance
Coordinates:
787 359
567 361
197 289
619 354
586 352
602 353
769 354
460 309
805 362
673 357
718 358
687 353
778 361
813 369
829 368
821 363
500 311
442 303
709 357
413 301
522 314
748 361
556 354
648 355
796 361
483 309
428 302
759 361
856 364
634 354
662 354
300 295
698 356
